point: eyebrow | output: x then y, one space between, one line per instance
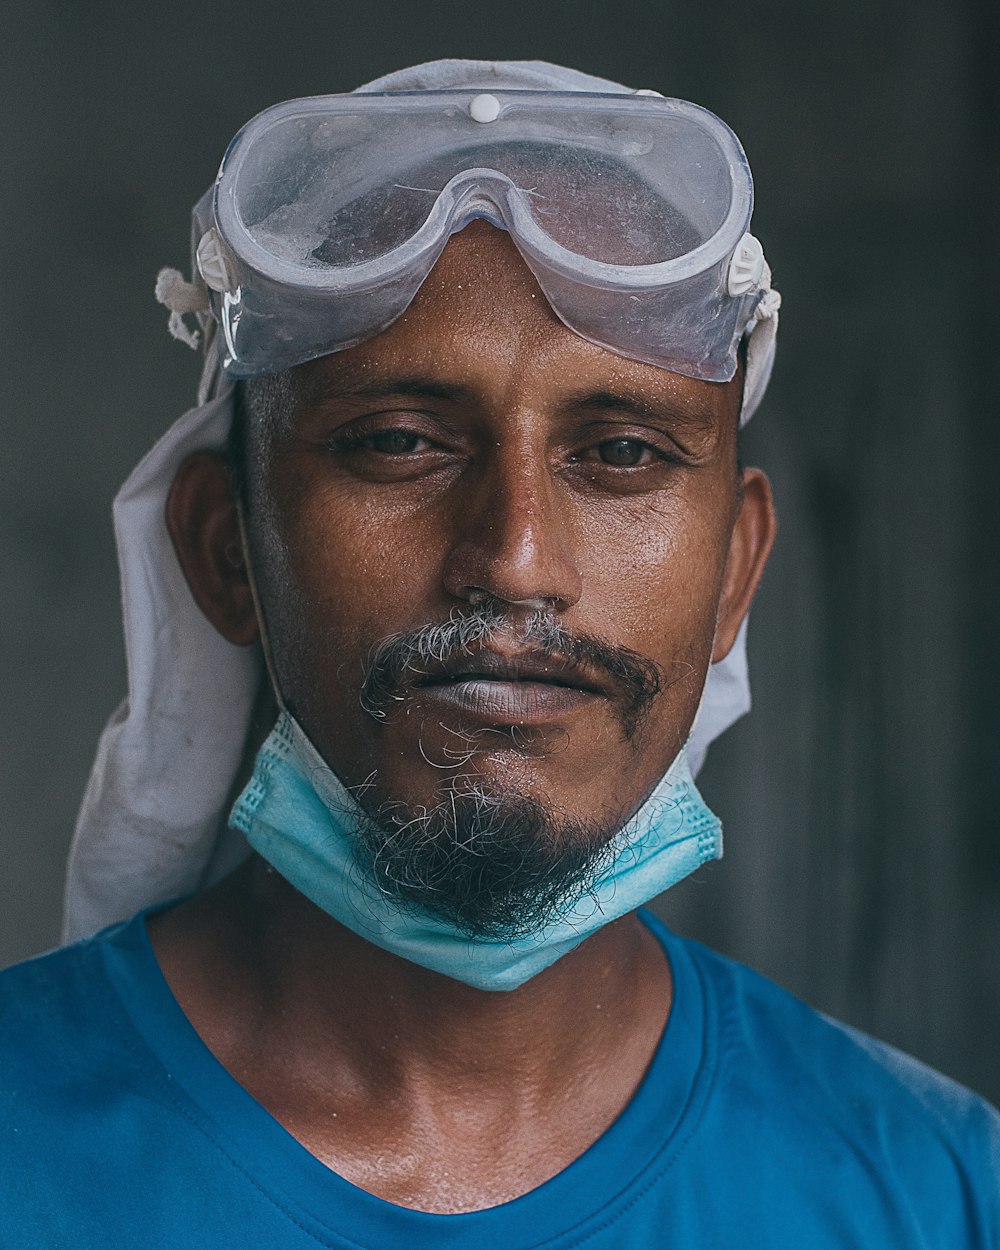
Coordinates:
332 390
678 412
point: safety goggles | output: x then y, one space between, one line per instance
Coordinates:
631 211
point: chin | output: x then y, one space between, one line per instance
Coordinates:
494 861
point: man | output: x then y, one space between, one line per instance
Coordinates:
476 500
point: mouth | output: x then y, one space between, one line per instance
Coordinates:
518 689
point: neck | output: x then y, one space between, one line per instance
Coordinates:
294 963
326 1029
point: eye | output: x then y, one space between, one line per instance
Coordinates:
379 450
625 452
395 442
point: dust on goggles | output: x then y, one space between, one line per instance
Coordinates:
631 211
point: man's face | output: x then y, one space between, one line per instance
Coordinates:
569 510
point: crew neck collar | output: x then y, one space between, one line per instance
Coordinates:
593 1190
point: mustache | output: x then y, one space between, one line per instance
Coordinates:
398 663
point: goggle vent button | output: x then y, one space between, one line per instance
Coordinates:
484 108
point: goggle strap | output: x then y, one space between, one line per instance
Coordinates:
181 298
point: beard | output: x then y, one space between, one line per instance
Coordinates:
496 866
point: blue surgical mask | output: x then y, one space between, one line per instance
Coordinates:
298 816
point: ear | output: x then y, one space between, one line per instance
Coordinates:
202 520
749 546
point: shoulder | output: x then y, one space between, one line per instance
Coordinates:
824 1082
804 1041
62 1026
48 990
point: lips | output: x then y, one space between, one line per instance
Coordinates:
514 689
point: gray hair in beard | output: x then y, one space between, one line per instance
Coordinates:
401 658
495 865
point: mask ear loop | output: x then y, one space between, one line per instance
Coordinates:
265 638
287 722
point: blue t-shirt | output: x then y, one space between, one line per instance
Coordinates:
760 1125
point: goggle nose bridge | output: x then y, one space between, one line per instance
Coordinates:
473 193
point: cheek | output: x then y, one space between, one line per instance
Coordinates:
654 573
358 569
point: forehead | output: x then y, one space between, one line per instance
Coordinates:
481 322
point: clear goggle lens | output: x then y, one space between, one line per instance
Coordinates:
328 214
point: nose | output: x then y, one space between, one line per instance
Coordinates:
514 535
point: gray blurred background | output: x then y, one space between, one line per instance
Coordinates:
861 797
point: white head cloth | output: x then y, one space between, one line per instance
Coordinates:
152 825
